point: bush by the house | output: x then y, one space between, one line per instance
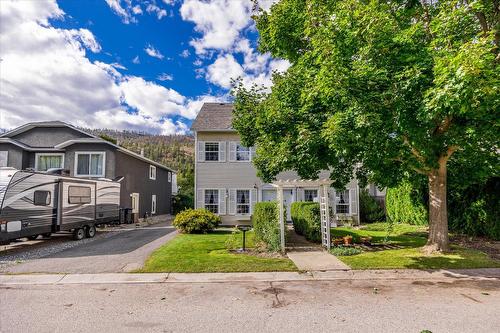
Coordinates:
369 209
181 202
266 224
404 204
306 220
193 221
475 209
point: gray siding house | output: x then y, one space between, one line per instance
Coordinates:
226 181
146 186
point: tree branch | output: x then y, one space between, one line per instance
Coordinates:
414 151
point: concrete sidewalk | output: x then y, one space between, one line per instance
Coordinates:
489 274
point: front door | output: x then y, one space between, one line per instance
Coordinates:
287 200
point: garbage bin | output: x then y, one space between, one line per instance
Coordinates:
122 215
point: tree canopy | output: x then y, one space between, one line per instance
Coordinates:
384 90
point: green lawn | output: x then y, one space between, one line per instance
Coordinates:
193 253
411 239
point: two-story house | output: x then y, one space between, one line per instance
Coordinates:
226 181
146 186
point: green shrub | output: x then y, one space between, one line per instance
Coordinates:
306 220
474 210
182 202
369 209
195 221
405 205
266 224
345 251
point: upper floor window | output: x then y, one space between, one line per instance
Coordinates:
152 172
90 164
342 202
310 195
169 177
242 153
46 161
211 151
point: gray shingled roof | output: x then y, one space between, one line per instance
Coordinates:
214 116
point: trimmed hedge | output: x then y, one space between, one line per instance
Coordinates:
196 221
306 220
405 205
266 224
369 209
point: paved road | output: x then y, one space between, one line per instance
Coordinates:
451 305
123 252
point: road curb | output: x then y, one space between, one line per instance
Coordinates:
338 275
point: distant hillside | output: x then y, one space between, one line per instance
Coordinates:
174 151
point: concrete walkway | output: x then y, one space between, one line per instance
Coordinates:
316 261
484 274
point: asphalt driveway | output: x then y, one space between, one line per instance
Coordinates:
122 252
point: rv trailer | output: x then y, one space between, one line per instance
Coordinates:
37 203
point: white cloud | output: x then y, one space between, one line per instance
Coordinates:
219 22
137 10
223 70
198 62
165 77
136 60
185 53
46 75
124 13
153 8
153 52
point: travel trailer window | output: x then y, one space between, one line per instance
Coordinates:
212 201
89 164
45 161
342 202
242 201
152 172
311 195
242 153
211 151
79 195
41 198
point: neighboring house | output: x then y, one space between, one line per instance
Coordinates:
226 181
146 186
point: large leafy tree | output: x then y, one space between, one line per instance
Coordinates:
384 90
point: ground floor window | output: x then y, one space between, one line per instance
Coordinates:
45 162
342 202
311 195
269 195
242 201
212 201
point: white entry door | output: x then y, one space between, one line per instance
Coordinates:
287 200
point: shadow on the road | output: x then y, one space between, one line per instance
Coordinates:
120 243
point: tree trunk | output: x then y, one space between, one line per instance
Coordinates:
438 212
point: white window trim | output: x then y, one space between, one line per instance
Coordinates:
169 177
205 151
152 175
86 153
153 204
236 153
236 201
218 198
311 189
48 154
348 204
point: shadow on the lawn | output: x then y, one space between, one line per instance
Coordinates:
405 240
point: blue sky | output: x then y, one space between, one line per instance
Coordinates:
125 64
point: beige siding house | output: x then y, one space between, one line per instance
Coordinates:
226 181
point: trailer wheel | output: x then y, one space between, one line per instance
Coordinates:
78 234
90 231
32 237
